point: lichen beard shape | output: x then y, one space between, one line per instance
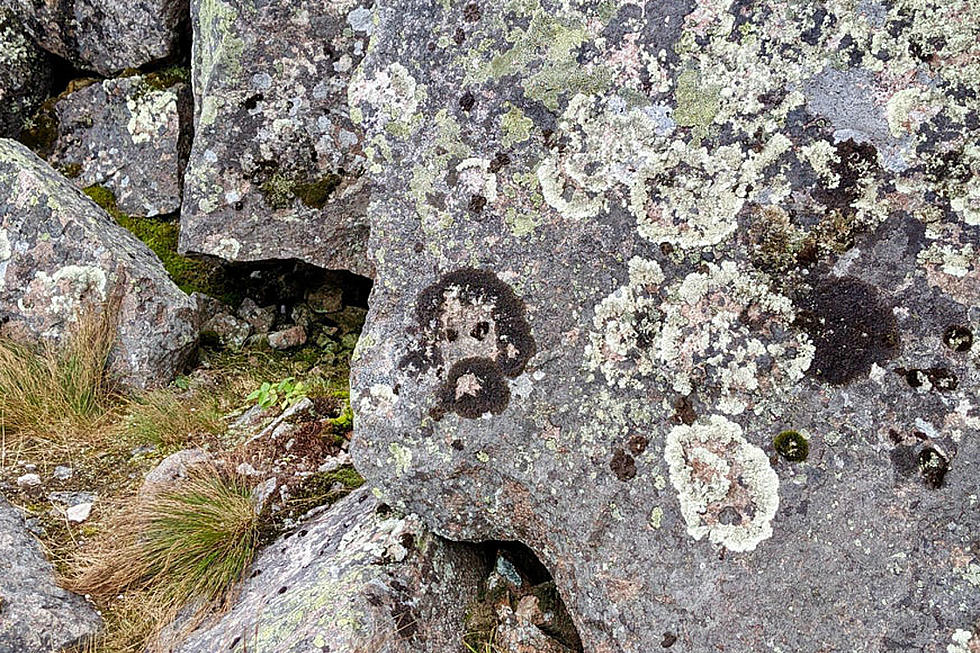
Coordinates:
474 335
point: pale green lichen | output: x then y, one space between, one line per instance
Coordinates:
726 488
151 114
697 103
402 457
692 333
515 126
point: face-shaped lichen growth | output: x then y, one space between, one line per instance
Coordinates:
720 332
792 445
851 328
474 335
725 485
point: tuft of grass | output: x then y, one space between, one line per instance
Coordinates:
171 419
51 389
191 542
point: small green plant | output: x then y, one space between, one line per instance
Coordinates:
287 392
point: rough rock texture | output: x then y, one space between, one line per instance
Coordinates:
622 247
356 578
36 616
25 75
106 36
130 135
276 169
60 251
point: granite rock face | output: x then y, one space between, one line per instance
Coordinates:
356 578
683 295
36 616
277 166
59 251
130 135
25 75
104 35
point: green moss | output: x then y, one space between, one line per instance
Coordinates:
280 190
792 446
190 275
167 77
41 132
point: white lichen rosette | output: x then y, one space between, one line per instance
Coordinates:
720 331
725 485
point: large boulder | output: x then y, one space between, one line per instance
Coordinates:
683 295
25 75
104 35
130 135
36 616
357 577
60 251
277 166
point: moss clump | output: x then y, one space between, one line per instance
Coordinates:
792 446
189 274
41 132
280 191
167 77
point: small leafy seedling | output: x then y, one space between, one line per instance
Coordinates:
287 392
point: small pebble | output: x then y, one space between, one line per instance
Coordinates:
62 473
79 513
28 480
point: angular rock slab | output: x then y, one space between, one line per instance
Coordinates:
104 35
36 616
355 578
59 251
25 75
622 247
276 169
131 135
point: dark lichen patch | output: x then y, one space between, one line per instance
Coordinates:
623 465
477 295
857 162
958 338
933 466
474 387
851 328
940 379
792 445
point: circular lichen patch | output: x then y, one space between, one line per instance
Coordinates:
792 445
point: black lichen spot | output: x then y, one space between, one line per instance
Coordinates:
958 338
475 386
253 101
792 446
669 640
623 465
684 411
467 101
857 161
638 444
938 378
477 204
933 466
471 12
850 326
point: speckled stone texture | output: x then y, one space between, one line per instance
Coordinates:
621 247
277 167
105 36
131 135
36 616
357 578
25 74
59 252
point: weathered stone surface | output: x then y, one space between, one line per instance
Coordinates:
276 169
621 247
104 35
59 251
355 578
25 75
36 616
131 135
